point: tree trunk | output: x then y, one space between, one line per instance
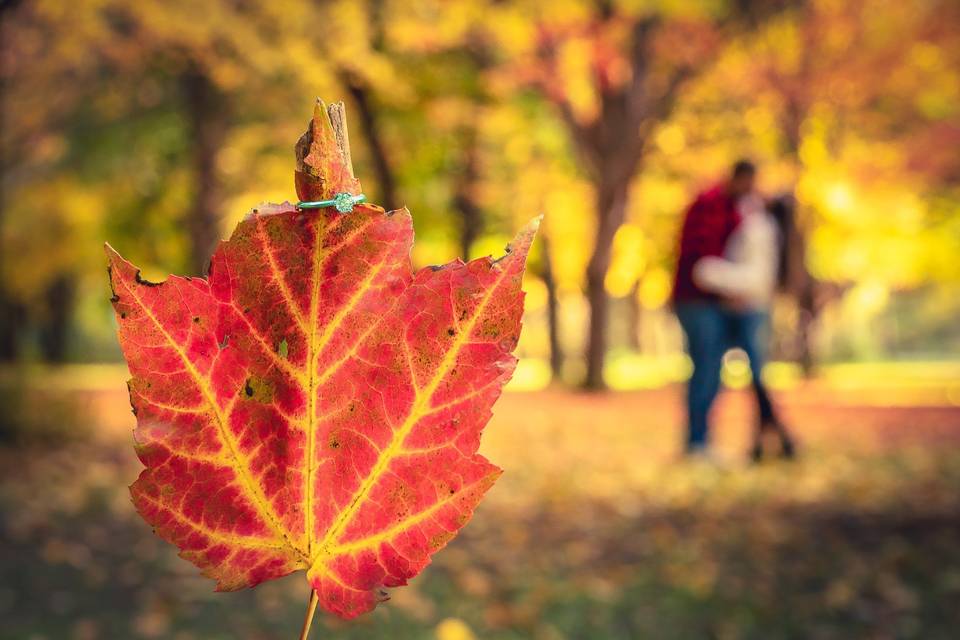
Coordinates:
805 321
13 319
207 118
12 313
553 308
611 210
801 285
464 197
634 317
55 331
374 137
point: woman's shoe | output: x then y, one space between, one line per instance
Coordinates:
788 451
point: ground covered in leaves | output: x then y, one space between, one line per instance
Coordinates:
595 530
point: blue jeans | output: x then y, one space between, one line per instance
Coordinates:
748 330
710 330
705 326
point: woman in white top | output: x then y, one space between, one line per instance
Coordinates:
747 277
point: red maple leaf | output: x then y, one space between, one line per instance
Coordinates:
313 403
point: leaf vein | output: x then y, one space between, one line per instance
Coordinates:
261 504
400 434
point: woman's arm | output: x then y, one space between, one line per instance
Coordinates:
750 277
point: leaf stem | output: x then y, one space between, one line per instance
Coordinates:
311 609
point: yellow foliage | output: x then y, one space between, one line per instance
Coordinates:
575 69
671 139
97 122
628 260
453 629
655 288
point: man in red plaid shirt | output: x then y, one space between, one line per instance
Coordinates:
706 228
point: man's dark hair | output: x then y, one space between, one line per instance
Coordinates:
743 167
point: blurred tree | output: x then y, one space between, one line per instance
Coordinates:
837 101
397 85
39 305
843 64
467 177
464 192
553 308
92 90
156 124
363 100
11 310
208 116
614 73
361 91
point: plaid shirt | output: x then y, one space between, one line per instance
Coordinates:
709 222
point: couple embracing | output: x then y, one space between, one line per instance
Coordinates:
732 258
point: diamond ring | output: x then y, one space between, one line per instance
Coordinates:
342 202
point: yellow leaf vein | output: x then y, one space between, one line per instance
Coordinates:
213 534
400 434
260 502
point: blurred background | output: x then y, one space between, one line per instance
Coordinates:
157 125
